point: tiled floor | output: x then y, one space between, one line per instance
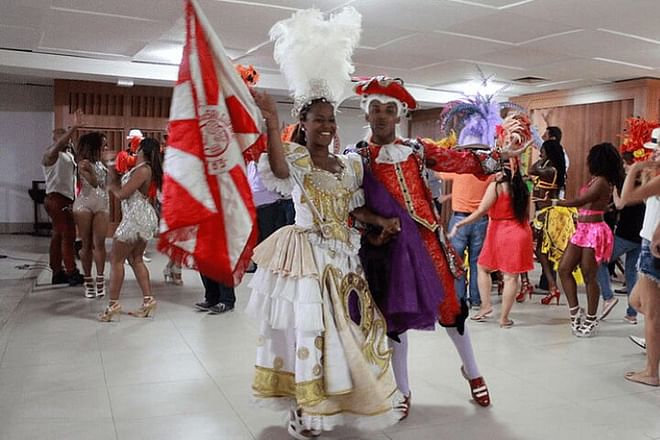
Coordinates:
186 375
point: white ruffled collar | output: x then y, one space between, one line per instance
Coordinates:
393 153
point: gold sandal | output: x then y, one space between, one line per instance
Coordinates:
114 308
147 309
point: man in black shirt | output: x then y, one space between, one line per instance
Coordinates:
626 241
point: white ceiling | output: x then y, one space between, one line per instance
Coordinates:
435 45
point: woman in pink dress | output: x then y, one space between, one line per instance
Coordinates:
508 245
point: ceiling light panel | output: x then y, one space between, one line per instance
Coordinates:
416 15
157 10
508 26
450 72
375 37
522 57
493 4
649 58
621 15
590 43
393 59
19 37
94 33
24 14
241 26
161 53
323 5
442 47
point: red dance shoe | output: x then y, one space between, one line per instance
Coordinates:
478 389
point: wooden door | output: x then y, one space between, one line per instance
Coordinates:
113 111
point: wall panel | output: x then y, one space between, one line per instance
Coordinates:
114 111
584 126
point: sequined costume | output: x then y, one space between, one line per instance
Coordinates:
139 220
553 227
401 168
90 198
310 352
595 235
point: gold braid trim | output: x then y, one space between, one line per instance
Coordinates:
273 383
371 323
410 205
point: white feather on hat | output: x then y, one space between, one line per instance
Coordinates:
315 54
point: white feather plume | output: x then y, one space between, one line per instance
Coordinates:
315 54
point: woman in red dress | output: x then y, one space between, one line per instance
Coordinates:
508 246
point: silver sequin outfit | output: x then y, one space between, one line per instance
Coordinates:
139 220
90 198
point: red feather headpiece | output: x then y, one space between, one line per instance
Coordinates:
635 135
249 74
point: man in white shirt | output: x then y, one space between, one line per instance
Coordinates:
59 168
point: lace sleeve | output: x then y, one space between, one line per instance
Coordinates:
357 171
282 186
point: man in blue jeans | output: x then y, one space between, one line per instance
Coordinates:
626 241
466 194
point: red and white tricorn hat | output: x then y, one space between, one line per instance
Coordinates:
384 89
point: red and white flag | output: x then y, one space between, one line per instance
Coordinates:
208 217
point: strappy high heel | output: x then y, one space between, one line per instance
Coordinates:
554 294
588 327
147 309
167 274
576 318
478 389
100 286
526 289
176 276
90 290
114 308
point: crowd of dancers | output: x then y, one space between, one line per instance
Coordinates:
367 259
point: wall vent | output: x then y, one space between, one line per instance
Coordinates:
530 80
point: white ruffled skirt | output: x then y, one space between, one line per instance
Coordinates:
310 353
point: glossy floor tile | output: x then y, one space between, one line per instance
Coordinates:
186 374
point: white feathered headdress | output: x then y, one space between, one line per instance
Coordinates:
315 54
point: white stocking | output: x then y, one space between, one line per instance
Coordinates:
400 362
463 345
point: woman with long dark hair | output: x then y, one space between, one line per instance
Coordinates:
91 210
549 177
508 246
138 225
592 241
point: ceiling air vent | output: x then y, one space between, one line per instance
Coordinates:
530 80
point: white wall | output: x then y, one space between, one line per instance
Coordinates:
26 123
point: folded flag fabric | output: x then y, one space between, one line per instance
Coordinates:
208 218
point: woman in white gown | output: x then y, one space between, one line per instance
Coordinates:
312 357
